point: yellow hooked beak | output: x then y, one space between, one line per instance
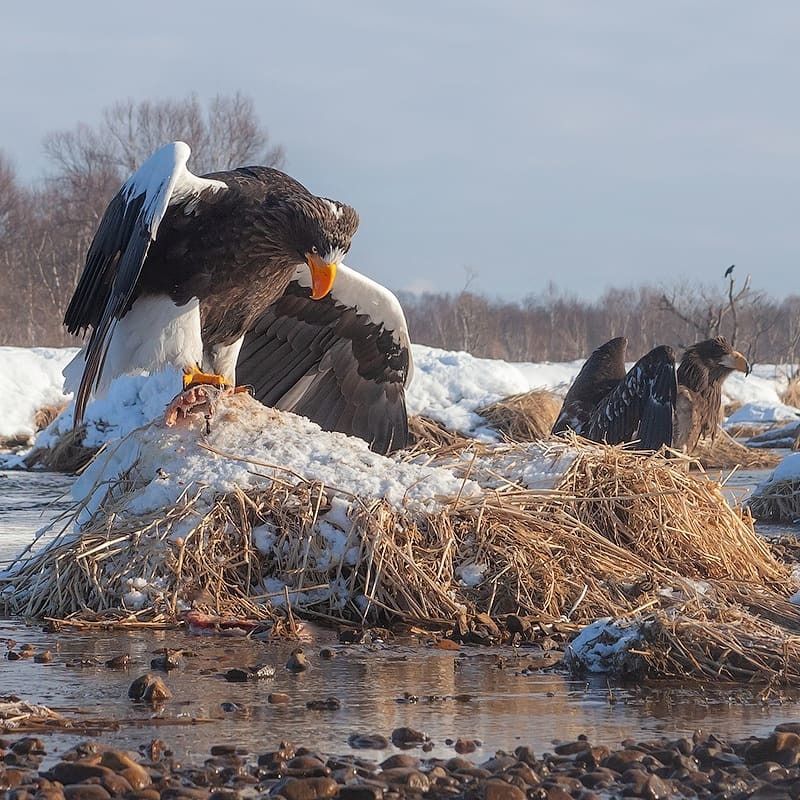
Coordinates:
741 363
322 275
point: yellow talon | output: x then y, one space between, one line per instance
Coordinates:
195 377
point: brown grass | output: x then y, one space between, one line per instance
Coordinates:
67 455
526 417
724 452
777 501
791 395
623 534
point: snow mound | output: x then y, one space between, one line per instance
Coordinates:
248 445
33 381
762 414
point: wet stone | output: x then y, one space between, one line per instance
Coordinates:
496 789
297 661
328 704
465 746
410 778
622 760
407 737
657 789
119 662
367 741
69 772
571 748
278 698
783 747
149 689
355 791
402 760
86 791
306 788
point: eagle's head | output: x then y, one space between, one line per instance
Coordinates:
710 362
718 354
323 235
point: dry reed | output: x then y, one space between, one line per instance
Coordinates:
68 454
724 452
526 417
622 535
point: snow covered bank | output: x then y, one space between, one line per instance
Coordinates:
448 386
33 380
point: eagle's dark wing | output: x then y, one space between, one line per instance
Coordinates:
342 361
119 249
600 374
644 401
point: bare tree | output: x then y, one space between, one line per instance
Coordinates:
45 231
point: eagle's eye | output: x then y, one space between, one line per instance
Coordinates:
314 249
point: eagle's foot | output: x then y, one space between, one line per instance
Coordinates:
195 377
200 399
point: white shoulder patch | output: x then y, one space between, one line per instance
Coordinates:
164 180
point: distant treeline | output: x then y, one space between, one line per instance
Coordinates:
555 326
45 231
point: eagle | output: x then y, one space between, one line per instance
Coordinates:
703 369
607 404
651 405
184 269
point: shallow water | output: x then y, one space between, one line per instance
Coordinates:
505 709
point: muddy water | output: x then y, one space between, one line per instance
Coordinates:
505 708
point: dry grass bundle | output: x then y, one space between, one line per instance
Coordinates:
429 435
791 395
44 416
777 501
67 455
526 417
620 527
724 452
723 642
672 521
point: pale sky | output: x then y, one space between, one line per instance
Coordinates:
588 144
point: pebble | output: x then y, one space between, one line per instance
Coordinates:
368 741
149 689
765 768
297 661
278 698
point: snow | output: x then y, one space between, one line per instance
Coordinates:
762 414
602 646
32 381
261 444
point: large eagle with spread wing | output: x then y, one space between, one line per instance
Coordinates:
650 404
607 404
184 269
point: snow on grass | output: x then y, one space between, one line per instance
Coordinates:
763 414
449 385
603 646
169 462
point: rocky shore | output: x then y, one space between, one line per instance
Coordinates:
705 766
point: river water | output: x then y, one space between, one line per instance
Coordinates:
506 707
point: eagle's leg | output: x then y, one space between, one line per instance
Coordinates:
200 395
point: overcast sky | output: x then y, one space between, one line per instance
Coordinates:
590 144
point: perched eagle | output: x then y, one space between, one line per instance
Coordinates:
182 268
703 369
606 404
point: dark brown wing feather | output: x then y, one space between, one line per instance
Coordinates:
323 360
640 407
601 373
